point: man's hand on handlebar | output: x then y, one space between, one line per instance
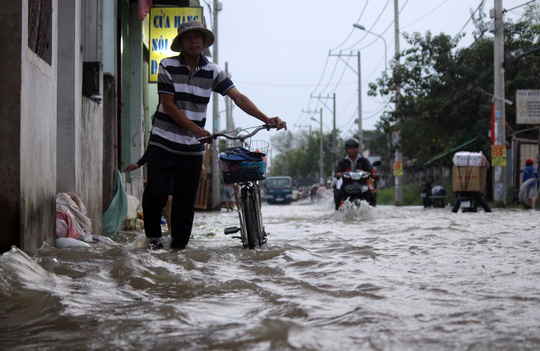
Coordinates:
204 136
277 122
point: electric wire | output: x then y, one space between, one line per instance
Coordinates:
516 7
332 75
352 31
427 14
470 18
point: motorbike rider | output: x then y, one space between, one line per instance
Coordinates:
352 162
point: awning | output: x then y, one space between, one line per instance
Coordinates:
436 158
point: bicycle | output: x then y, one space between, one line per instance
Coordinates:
244 167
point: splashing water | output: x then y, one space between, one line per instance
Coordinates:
382 278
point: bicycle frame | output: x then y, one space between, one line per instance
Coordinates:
248 200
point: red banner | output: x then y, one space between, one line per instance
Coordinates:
144 8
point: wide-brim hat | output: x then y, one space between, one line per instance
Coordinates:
188 27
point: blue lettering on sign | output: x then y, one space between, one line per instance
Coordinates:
157 21
160 44
162 21
154 67
178 20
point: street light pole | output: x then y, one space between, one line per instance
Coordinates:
499 176
398 157
361 27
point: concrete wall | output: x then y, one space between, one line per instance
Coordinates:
10 122
51 137
80 120
37 140
132 88
110 147
90 181
110 144
69 95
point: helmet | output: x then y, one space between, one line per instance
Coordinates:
352 143
529 162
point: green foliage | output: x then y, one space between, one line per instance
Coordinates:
386 196
445 100
299 155
446 90
412 194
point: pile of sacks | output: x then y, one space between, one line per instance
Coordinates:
73 227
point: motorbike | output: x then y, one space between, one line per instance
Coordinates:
433 196
426 195
357 185
469 202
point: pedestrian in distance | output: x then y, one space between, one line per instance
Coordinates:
141 162
185 84
530 172
227 192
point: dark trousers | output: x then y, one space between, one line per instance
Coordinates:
185 172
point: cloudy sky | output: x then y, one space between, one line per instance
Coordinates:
290 57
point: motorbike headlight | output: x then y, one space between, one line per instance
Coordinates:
356 176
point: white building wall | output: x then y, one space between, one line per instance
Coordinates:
38 140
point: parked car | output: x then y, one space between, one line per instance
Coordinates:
279 190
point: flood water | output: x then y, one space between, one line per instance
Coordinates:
387 278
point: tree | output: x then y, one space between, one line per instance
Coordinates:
446 91
298 155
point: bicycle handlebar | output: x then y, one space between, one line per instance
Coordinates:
240 137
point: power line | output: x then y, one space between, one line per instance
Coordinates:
332 75
352 31
470 18
516 7
427 14
378 18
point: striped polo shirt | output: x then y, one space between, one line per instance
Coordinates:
192 91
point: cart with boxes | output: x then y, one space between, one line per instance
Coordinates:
469 181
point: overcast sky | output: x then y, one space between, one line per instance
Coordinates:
283 54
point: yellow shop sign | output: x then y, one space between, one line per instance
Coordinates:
164 22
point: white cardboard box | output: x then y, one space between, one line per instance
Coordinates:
469 159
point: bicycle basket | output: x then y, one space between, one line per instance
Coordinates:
239 164
250 146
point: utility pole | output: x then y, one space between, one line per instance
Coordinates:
321 164
398 155
499 176
321 152
215 118
333 135
360 128
333 152
359 73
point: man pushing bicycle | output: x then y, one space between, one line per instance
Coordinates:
185 83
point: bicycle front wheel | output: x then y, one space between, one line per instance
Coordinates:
254 235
